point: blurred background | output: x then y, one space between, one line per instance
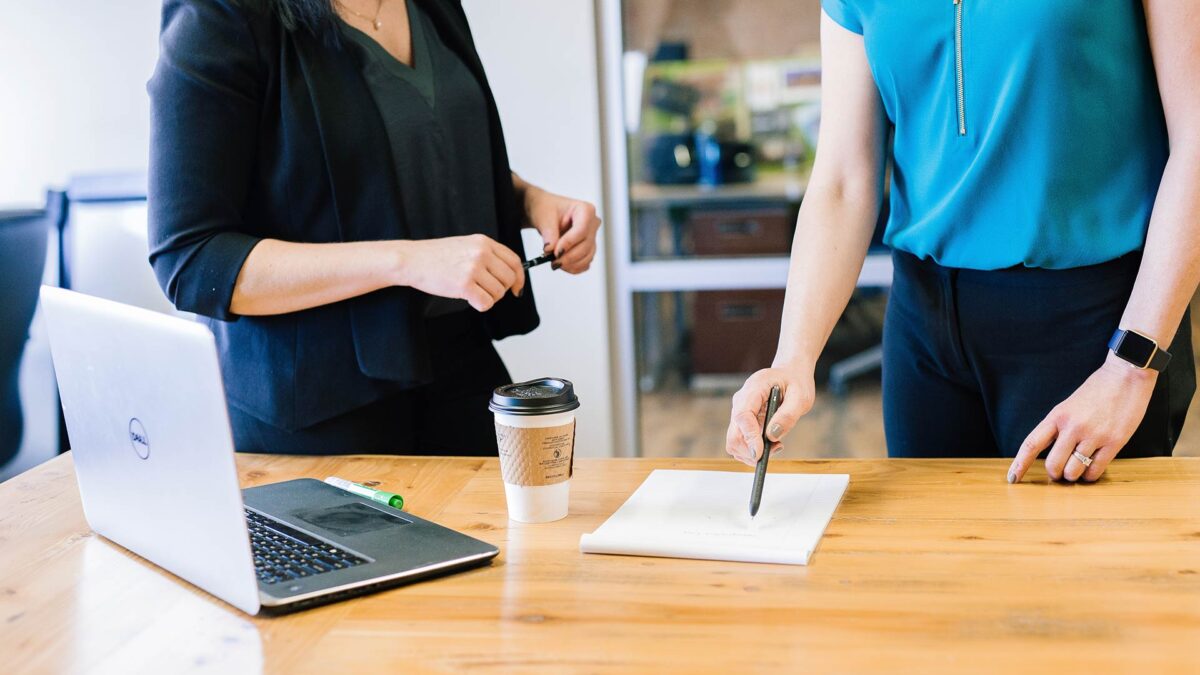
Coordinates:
691 123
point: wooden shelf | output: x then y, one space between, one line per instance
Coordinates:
778 187
718 274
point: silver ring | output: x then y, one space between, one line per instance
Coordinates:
1083 459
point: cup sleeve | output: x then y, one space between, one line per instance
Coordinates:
844 13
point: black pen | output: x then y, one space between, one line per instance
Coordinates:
760 471
540 260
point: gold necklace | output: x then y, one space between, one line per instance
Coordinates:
373 20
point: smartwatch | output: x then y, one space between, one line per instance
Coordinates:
1139 350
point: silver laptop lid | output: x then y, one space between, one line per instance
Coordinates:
145 410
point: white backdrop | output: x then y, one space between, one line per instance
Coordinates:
72 90
541 59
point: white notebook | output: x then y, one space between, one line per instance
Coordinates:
706 514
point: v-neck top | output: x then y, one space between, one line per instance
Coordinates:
1027 132
436 118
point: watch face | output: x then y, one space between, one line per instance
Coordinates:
1136 348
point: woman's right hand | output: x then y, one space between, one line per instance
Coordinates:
475 268
797 389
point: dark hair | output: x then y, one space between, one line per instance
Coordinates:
313 15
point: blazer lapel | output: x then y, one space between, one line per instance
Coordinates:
455 30
367 204
452 25
361 172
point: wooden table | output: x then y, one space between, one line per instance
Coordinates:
928 566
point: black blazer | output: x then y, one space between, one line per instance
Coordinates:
260 132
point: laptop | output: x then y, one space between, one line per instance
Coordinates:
153 450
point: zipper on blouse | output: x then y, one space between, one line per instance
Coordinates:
958 68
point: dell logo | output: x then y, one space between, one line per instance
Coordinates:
138 438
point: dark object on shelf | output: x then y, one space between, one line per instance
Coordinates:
735 331
23 237
732 232
673 98
724 162
670 51
671 160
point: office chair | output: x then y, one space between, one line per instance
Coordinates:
23 238
870 359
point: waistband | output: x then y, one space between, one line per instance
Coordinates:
1121 269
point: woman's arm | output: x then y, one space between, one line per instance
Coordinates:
205 98
837 219
568 226
1103 413
280 277
1170 269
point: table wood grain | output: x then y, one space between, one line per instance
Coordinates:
928 566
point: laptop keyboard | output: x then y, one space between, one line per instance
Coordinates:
283 553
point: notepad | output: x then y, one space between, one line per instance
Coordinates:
705 515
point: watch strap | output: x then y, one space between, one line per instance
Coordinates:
1160 360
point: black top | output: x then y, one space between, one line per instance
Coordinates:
259 131
435 114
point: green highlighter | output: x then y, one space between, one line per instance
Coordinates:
386 498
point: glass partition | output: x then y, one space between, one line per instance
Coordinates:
713 113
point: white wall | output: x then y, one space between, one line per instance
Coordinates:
72 90
540 57
73 100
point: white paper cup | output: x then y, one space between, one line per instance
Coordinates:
535 433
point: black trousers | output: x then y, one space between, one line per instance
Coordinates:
974 360
447 417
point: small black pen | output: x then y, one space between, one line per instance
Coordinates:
760 471
540 260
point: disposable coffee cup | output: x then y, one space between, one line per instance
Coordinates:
535 431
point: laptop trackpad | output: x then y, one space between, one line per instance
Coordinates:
348 520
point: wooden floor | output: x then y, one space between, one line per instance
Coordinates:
685 424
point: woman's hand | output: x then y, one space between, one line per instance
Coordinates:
568 226
474 268
797 390
1097 420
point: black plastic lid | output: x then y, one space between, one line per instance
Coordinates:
543 396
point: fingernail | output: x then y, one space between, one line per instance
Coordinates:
1012 476
775 431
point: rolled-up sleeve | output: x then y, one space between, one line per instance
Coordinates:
205 98
844 14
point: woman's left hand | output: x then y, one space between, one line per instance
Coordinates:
568 226
1097 421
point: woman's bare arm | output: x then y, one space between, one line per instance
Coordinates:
837 219
1101 416
1170 267
279 277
